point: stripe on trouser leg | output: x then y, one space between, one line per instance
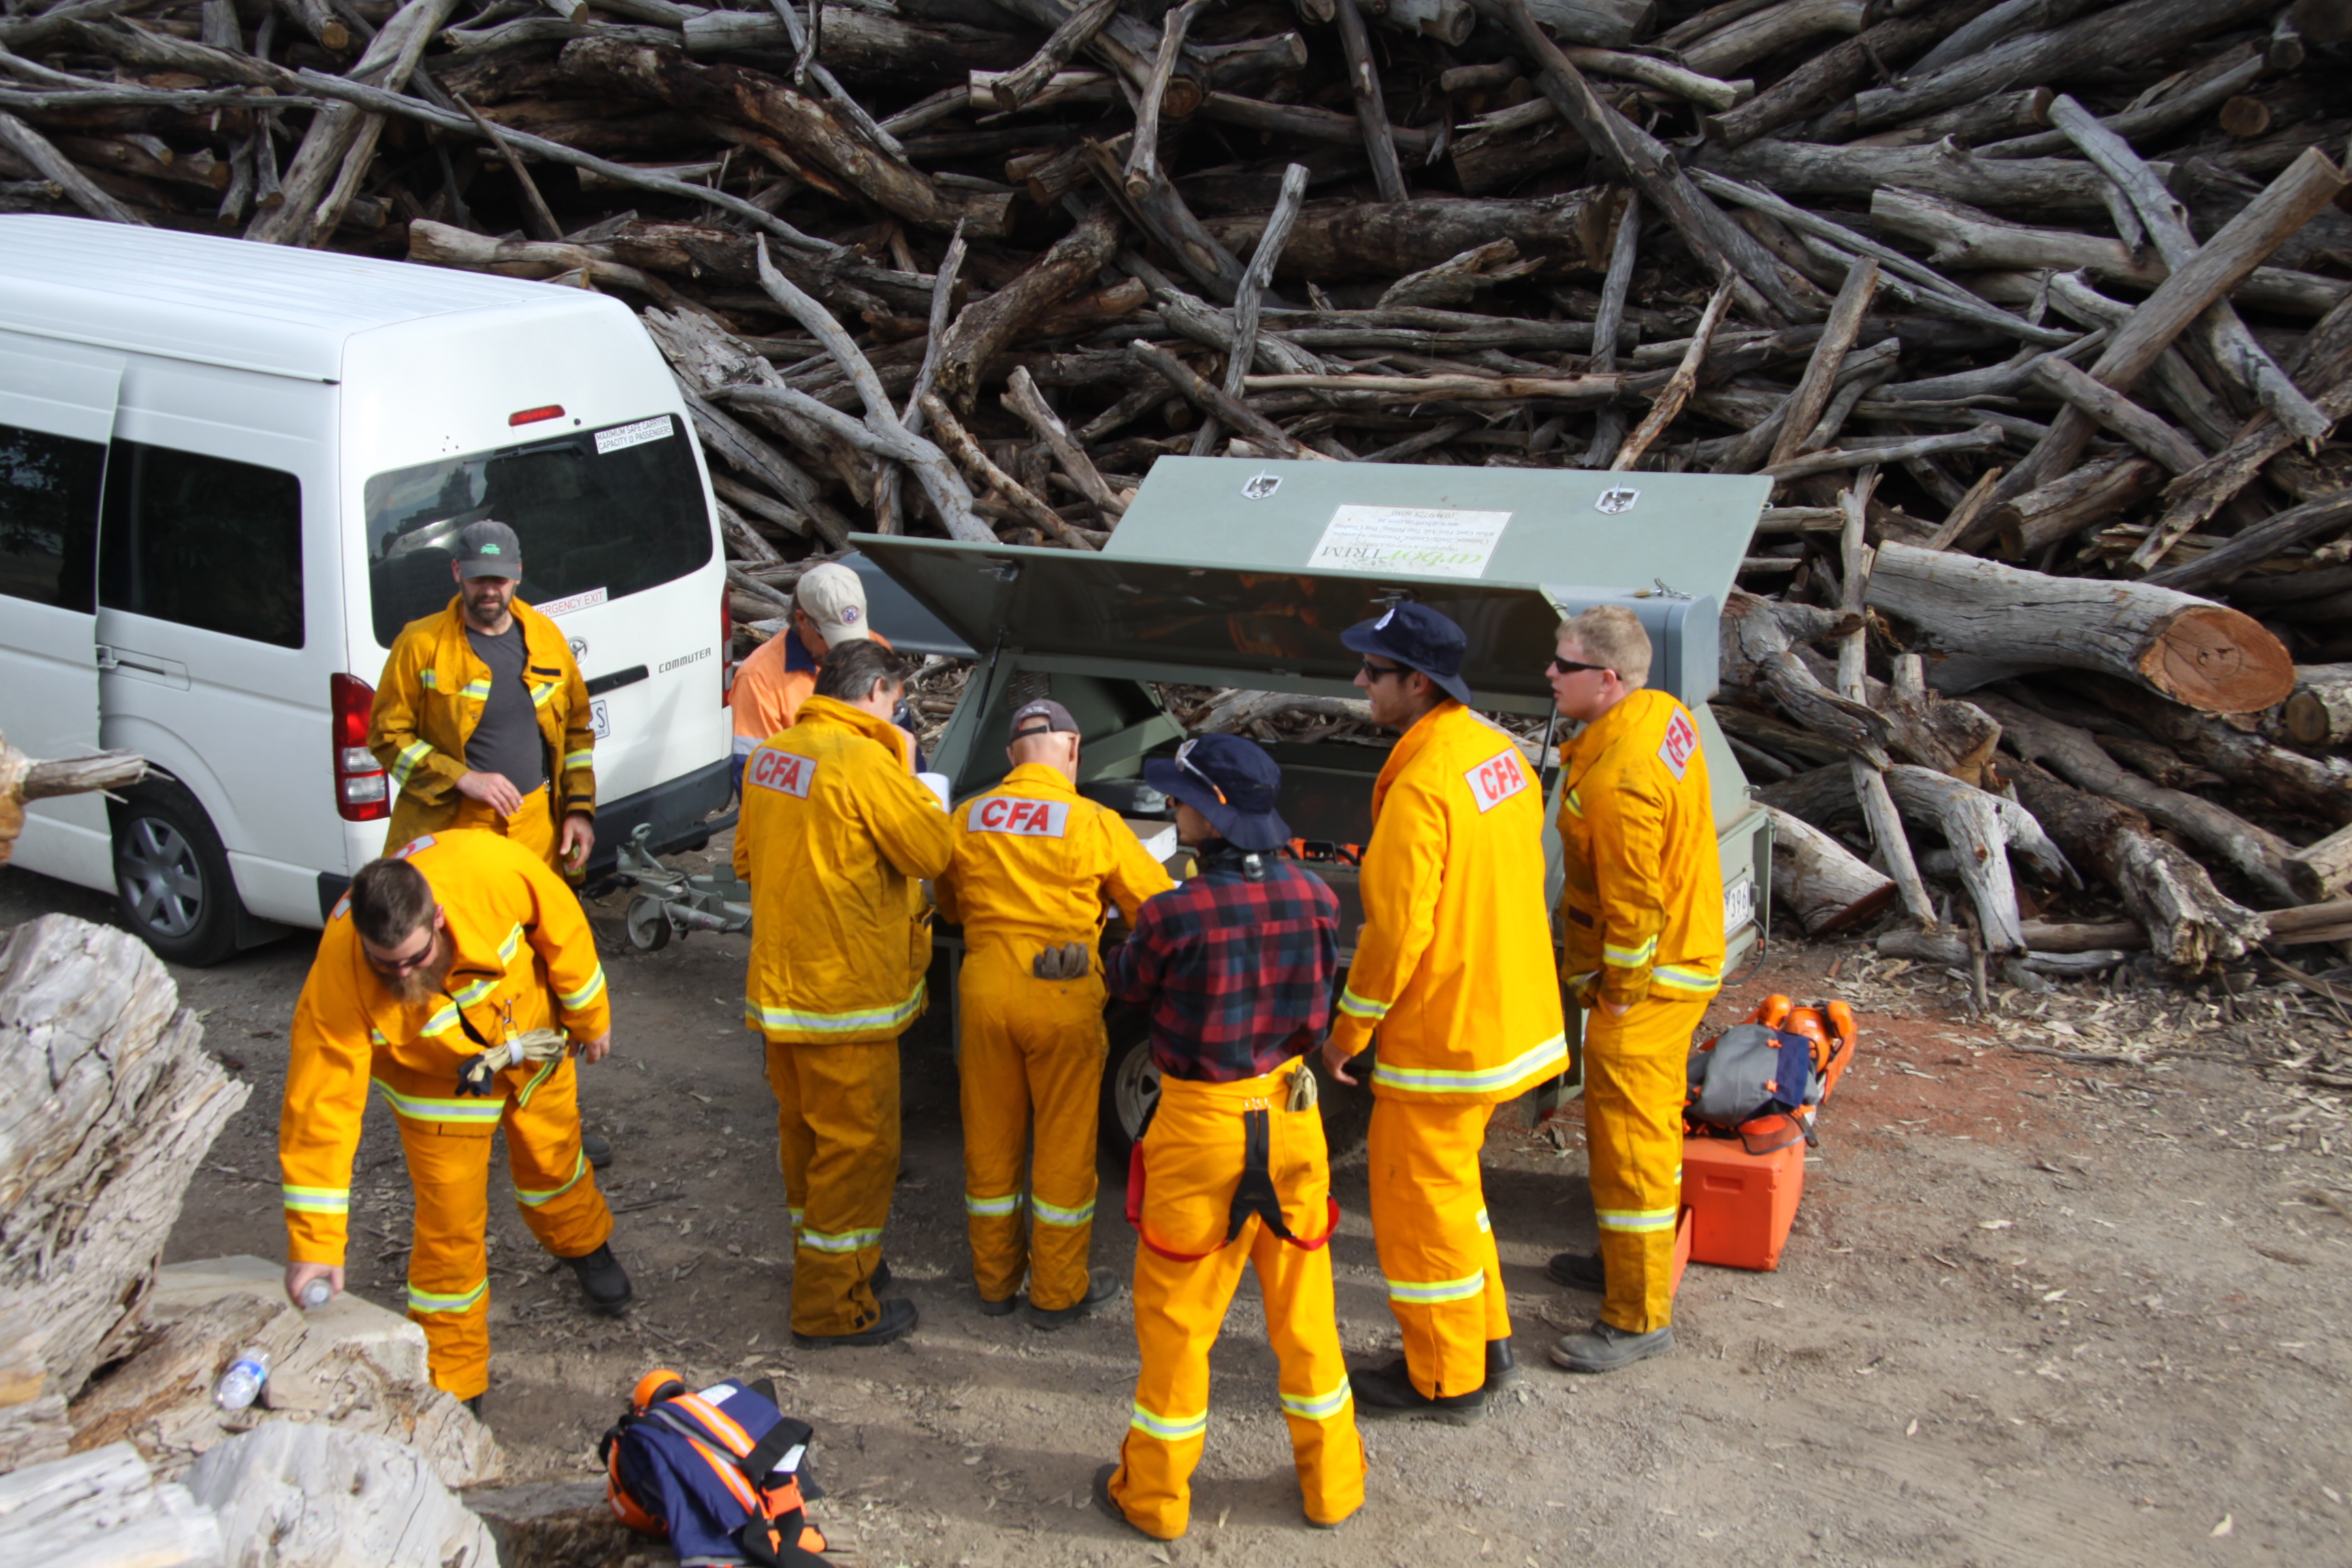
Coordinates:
1169 1428
841 1240
1319 1408
434 1301
532 1199
1486 1226
1637 1219
992 1208
1436 1292
1054 1214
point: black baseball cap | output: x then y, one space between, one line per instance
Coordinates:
1057 720
1230 781
488 548
1418 638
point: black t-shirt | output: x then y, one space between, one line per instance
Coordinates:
507 740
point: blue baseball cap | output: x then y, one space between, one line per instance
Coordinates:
1230 781
1418 638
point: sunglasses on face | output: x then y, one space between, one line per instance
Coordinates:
1381 671
395 967
1568 667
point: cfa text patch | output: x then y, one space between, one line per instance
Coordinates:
783 772
1681 740
1497 779
1009 814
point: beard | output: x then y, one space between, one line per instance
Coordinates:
428 979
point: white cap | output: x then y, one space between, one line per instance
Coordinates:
832 597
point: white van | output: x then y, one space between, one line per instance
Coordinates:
228 474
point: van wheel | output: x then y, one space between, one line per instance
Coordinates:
170 877
1131 1085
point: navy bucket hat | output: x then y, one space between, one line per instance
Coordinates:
1418 638
1230 781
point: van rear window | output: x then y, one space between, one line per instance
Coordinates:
601 514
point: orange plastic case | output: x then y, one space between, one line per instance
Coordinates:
1740 1205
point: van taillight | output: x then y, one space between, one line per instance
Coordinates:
533 415
726 642
362 789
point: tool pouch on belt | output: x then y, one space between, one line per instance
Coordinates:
1069 960
720 1473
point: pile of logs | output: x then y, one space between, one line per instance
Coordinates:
2036 311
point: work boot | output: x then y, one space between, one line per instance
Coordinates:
603 1281
1389 1391
1109 1505
1502 1367
898 1319
1102 1285
473 1406
1578 1271
1604 1347
879 1280
599 1153
1003 1308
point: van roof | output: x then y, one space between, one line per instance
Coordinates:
269 307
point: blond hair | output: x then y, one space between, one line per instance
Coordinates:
1611 636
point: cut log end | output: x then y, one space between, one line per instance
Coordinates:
2219 660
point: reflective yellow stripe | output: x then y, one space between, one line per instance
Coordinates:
1486 1226
841 1240
1481 1081
1357 1006
444 1019
1054 1214
577 759
1169 1428
1637 1219
466 995
1434 1292
1631 957
424 1108
573 1001
429 1301
782 1018
411 757
992 1208
1673 977
318 1200
531 1198
508 947
429 678
1574 802
1320 1407
479 691
540 694
1582 977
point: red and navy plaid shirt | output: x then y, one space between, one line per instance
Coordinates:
1236 973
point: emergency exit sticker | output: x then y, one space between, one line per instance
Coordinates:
637 435
783 772
1427 541
1497 779
1029 818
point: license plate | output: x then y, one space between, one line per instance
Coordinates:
599 720
1738 904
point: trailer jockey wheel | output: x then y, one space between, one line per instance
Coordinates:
648 924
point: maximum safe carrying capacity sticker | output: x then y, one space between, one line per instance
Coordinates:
620 437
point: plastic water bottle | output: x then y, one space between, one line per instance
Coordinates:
317 1294
240 1385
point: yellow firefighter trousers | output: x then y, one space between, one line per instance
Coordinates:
1029 1046
837 1141
1436 1245
1192 1158
1635 1079
448 1263
532 827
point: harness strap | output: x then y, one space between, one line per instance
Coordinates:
1253 1194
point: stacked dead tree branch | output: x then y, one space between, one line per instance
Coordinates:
2039 316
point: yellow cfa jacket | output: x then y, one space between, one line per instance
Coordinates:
523 959
431 698
835 839
1641 901
1455 966
1034 861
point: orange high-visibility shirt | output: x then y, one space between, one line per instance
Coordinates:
1642 899
523 960
1455 967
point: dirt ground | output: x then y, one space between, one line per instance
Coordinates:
2060 1291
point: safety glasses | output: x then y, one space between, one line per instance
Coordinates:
1568 667
1185 765
1381 671
393 968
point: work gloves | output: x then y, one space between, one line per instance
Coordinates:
1070 961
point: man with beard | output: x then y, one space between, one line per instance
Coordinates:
481 717
458 975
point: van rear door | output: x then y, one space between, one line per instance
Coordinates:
56 414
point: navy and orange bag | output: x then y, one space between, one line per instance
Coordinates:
718 1473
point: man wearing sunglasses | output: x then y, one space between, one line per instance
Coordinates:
1642 908
1453 968
450 948
1036 862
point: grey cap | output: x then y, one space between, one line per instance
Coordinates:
1057 720
488 548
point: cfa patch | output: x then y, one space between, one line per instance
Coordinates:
1681 742
1011 814
1497 779
782 772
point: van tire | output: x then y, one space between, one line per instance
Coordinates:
171 880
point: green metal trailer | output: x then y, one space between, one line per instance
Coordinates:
1242 573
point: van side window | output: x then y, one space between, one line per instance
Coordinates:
48 517
206 541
